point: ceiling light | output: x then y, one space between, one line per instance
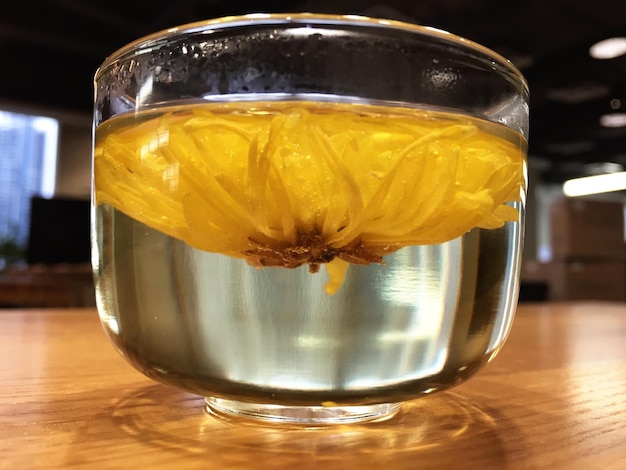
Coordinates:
613 120
595 184
570 148
608 49
601 168
578 93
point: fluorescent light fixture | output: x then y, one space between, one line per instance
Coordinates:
613 120
609 48
596 184
578 93
570 148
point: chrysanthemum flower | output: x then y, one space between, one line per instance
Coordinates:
293 183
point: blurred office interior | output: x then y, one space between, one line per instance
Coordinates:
572 53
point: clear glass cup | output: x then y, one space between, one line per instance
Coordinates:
308 218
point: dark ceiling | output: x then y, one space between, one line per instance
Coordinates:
49 51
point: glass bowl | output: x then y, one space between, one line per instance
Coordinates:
308 218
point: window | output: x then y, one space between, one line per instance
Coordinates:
28 155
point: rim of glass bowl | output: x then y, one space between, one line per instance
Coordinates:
156 38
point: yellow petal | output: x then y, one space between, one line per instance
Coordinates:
337 270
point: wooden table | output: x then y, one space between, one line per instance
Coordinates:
554 398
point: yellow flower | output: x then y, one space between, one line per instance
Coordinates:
290 183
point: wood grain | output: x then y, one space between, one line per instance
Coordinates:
553 398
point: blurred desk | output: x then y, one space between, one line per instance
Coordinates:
555 398
47 286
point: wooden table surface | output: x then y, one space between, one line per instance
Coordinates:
555 397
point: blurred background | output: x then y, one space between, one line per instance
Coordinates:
572 52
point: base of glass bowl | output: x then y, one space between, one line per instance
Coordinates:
302 415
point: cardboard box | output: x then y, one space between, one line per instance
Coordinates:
587 280
584 229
